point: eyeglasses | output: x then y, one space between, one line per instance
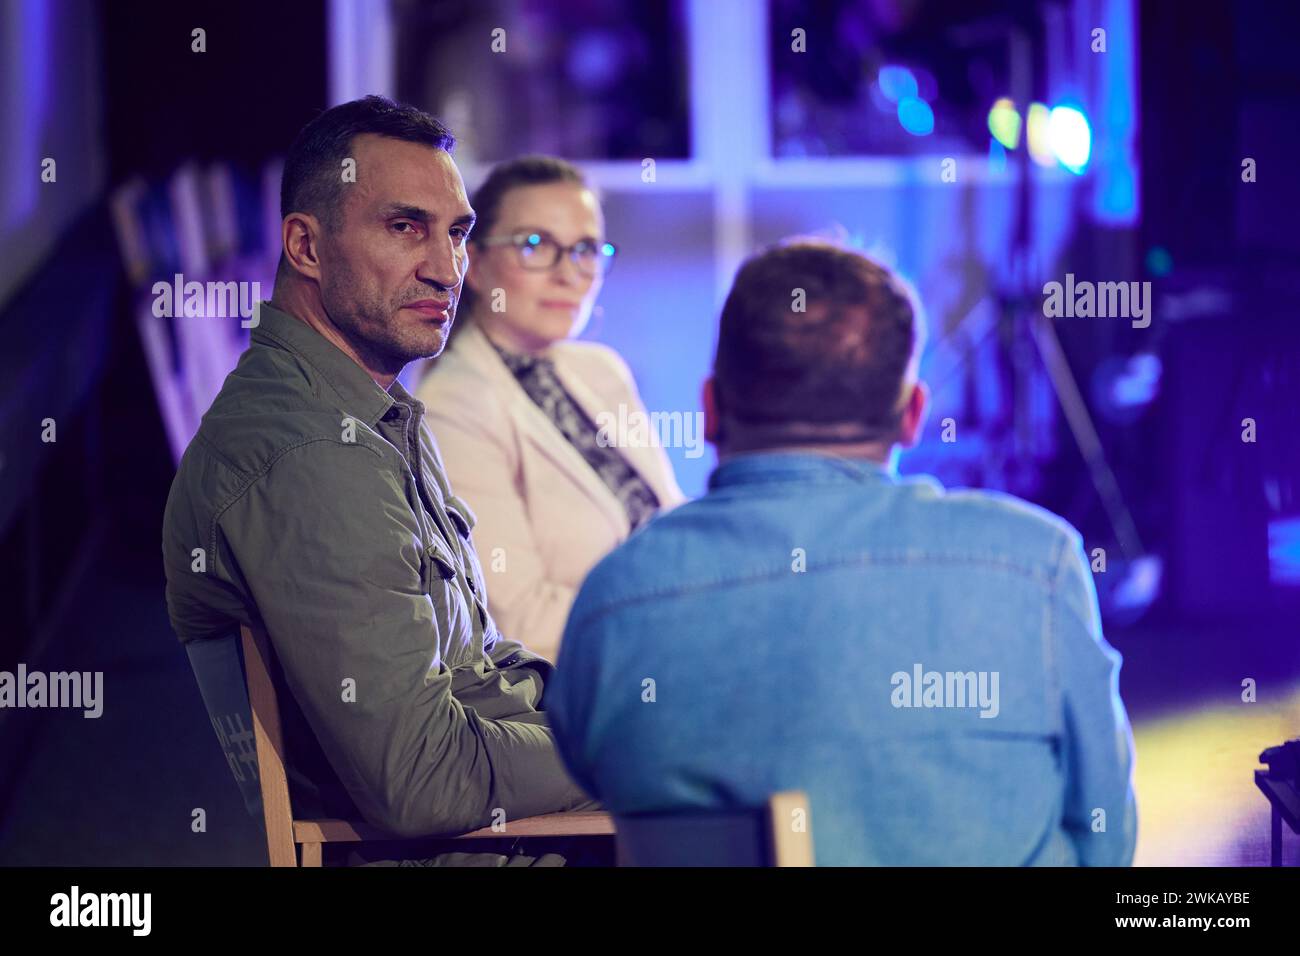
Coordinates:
538 252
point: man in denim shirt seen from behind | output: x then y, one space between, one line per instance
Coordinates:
927 665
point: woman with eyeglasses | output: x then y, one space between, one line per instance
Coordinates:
514 401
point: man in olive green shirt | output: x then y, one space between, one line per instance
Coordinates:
319 500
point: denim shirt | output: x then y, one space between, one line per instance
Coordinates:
928 666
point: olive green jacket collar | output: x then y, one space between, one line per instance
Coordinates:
331 367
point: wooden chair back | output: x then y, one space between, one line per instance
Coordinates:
777 834
285 835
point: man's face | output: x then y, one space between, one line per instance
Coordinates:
391 268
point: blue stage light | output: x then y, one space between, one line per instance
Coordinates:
916 116
897 83
1284 551
997 156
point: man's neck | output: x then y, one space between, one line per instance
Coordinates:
878 453
307 308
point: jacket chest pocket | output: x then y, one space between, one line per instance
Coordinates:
463 518
438 574
438 563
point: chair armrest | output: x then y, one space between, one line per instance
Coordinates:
337 831
551 824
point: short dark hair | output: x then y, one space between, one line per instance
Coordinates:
840 361
312 180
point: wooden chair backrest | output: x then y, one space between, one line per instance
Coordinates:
777 834
277 810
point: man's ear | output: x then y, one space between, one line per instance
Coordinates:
712 415
300 232
914 412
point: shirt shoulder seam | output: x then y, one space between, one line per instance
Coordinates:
698 586
251 478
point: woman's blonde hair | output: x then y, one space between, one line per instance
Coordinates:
532 170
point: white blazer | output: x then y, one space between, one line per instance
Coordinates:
544 517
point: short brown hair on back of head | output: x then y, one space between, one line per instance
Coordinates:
834 371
